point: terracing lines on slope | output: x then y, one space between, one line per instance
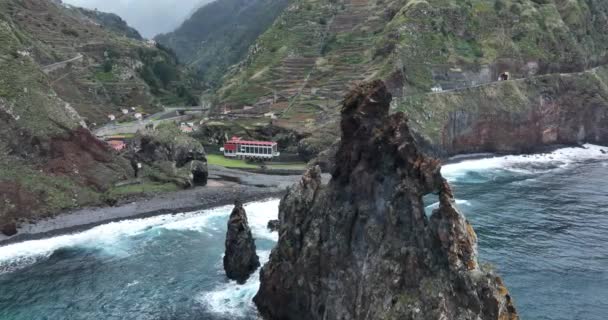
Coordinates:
92 67
299 69
307 61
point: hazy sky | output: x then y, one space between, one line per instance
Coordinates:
149 17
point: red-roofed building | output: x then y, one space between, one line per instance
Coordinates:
238 148
117 145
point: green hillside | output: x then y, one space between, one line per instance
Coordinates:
416 45
219 34
301 67
61 72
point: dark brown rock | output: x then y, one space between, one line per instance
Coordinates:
240 259
9 229
362 247
273 225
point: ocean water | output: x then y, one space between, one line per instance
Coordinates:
542 223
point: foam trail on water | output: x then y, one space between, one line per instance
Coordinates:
458 202
231 299
106 237
234 300
110 237
527 163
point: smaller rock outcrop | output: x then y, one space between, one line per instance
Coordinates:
170 156
9 229
240 259
273 225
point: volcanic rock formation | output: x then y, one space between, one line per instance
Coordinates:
363 248
240 259
166 148
273 225
9 229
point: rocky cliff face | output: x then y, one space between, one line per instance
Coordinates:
170 156
363 248
514 116
302 65
240 258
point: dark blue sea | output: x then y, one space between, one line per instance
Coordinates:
542 222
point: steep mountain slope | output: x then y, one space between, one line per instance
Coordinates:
94 69
59 71
219 34
47 162
111 21
301 67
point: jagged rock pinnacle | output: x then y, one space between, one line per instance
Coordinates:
240 259
363 248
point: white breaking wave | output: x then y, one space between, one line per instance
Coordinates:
232 299
258 215
533 163
108 237
458 202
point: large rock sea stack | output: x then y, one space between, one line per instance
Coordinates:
363 248
240 259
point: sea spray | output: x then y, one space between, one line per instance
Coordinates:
525 164
112 238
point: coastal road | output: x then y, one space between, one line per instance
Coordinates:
168 115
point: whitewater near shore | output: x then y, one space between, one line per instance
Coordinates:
226 185
177 256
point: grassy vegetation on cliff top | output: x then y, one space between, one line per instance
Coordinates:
419 43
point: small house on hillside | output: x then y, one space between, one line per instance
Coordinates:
117 145
111 117
437 88
186 127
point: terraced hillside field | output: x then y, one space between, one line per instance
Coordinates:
61 72
93 68
299 69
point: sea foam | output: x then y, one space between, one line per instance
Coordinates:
231 299
533 163
112 237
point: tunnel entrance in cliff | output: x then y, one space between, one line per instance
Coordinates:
199 178
504 76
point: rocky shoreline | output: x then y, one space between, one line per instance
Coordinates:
225 185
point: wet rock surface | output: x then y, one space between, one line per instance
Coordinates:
362 247
9 229
240 259
273 225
